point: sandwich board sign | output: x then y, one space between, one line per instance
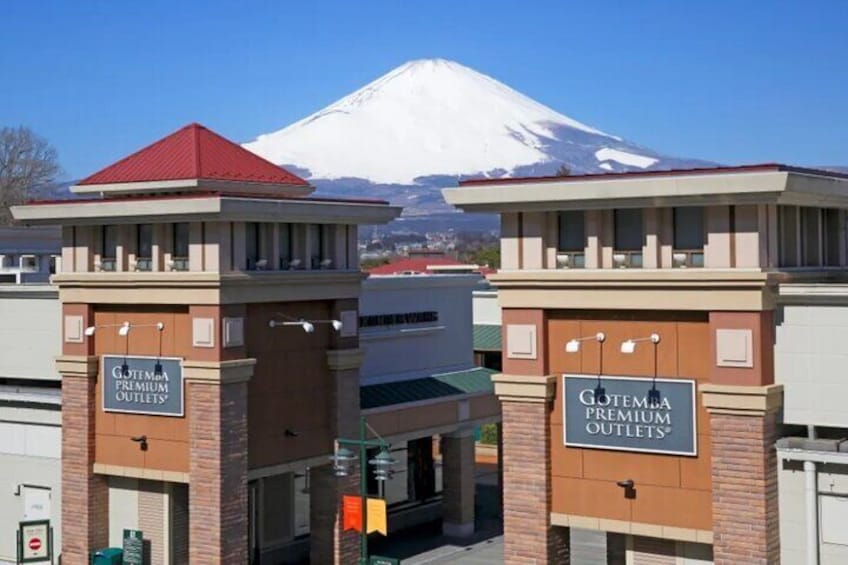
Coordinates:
35 542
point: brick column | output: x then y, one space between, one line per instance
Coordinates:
328 544
217 412
458 484
744 426
85 496
529 537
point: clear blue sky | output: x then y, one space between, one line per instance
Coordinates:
730 81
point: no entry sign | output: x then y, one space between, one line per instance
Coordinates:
34 543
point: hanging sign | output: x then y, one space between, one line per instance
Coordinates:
143 385
376 508
133 547
352 513
35 543
630 414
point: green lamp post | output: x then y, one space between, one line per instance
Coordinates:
344 457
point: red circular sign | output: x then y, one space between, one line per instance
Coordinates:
35 544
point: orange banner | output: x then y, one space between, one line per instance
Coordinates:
352 513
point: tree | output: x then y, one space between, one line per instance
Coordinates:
27 161
487 256
563 171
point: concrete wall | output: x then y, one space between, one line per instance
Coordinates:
485 307
810 361
400 352
832 482
30 334
30 451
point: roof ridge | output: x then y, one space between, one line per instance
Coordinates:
195 130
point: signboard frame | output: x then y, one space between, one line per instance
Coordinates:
132 540
649 382
105 377
47 536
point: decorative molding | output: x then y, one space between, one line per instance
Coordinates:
524 388
218 372
74 330
233 332
734 348
742 400
203 332
350 323
78 366
633 528
344 359
141 473
521 341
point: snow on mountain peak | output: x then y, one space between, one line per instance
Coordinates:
428 117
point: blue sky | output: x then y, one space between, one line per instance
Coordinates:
734 82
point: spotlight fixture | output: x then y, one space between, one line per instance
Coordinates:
123 328
291 433
629 346
573 346
307 325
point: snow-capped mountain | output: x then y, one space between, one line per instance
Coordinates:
429 122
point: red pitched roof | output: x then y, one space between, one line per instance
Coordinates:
421 265
193 152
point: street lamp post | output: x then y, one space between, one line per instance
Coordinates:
341 467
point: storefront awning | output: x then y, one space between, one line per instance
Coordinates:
470 381
487 337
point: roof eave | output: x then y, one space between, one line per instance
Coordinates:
190 185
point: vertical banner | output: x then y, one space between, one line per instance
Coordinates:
352 513
377 516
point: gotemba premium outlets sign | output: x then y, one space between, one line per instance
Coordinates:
630 414
143 385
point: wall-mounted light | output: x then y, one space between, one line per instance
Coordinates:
629 488
141 440
307 325
123 328
291 433
573 346
629 345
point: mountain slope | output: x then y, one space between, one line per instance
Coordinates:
429 122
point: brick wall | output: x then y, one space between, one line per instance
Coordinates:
218 473
85 496
744 473
528 536
328 544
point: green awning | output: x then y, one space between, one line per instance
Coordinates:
487 337
476 380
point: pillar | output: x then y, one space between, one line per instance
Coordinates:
217 412
529 537
458 484
85 495
328 543
744 426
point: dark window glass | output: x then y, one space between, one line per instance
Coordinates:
628 229
285 245
181 235
110 242
810 236
832 233
572 231
145 241
689 228
251 244
315 233
787 227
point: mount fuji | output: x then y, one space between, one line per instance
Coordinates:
431 122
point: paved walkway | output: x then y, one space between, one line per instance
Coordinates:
426 544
